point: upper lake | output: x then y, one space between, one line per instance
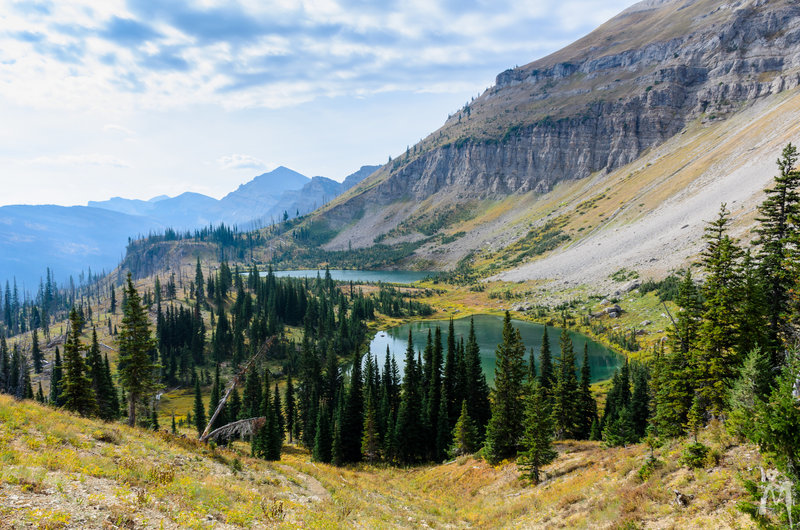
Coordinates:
489 332
343 275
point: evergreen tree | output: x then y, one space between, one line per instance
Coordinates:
199 294
505 426
409 435
465 436
137 371
717 360
566 398
352 417
777 247
154 418
40 394
279 418
322 440
291 411
752 386
619 429
199 408
640 403
234 406
587 405
251 401
213 403
477 390
546 373
104 393
109 384
56 380
370 440
777 429
537 438
675 369
36 352
77 387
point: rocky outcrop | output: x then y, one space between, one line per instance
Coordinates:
599 103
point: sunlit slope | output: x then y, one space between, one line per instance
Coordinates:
61 471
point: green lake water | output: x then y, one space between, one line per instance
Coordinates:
489 332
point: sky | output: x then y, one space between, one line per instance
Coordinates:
142 98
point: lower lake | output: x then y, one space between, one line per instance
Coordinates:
489 332
344 275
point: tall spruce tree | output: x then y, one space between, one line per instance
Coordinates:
137 371
537 438
777 244
505 426
409 435
199 408
717 359
477 390
36 352
77 390
56 379
546 373
566 398
587 404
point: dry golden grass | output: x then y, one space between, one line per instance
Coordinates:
59 471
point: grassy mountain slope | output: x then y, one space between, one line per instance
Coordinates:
635 116
62 471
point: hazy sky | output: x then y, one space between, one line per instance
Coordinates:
148 97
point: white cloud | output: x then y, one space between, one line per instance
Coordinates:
239 161
115 128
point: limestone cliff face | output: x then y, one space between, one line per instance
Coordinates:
600 102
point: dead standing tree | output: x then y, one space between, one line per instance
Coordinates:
236 426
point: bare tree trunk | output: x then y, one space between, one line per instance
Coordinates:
131 410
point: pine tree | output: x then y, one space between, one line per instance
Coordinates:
717 360
352 416
291 411
505 426
199 294
443 434
251 401
640 403
477 390
77 387
56 380
109 384
409 435
465 436
537 438
322 440
213 403
777 247
5 365
96 369
137 371
234 406
36 352
588 406
40 394
752 386
370 440
199 408
280 422
154 418
675 369
546 373
566 398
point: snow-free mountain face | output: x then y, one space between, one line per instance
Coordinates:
72 239
555 143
